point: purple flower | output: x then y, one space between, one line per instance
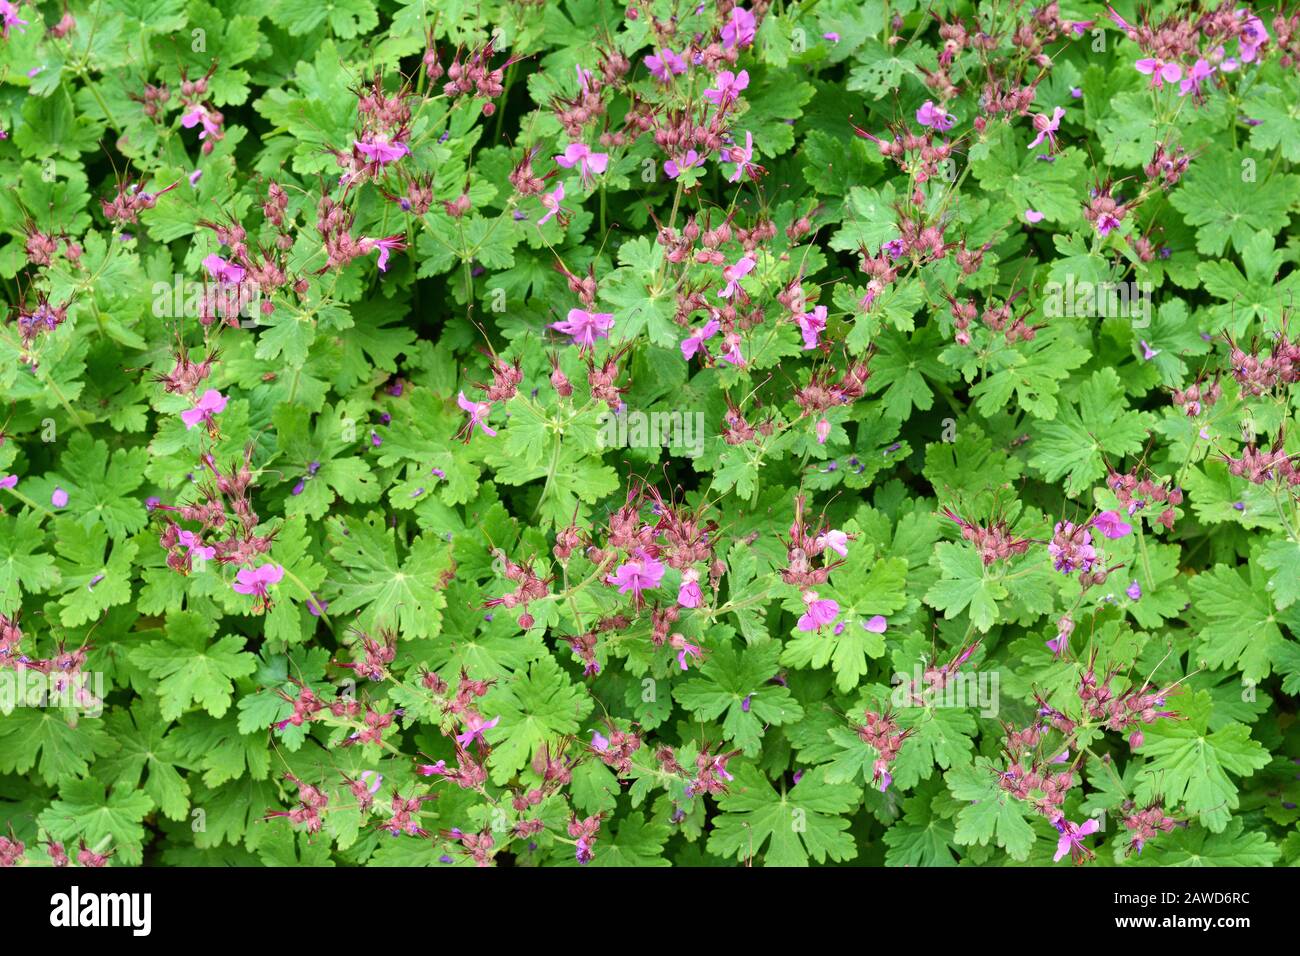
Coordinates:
223 271
821 611
876 625
585 327
9 19
936 117
1159 71
589 164
1134 591
9 481
674 168
693 342
742 156
59 498
385 245
255 581
832 37
1148 353
837 541
733 274
316 607
640 573
1046 127
665 66
1033 215
1072 835
195 176
478 413
379 150
729 87
689 594
739 30
373 779
475 726
1253 36
1201 71
1111 524
194 544
812 324
209 404
551 203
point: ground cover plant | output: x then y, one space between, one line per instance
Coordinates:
567 433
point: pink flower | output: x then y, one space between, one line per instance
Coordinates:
194 544
1201 71
1134 591
639 573
821 611
1111 524
695 341
1148 353
385 245
823 430
876 625
666 65
739 30
1072 834
729 87
9 481
1033 215
201 114
9 19
589 164
59 498
209 404
223 271
837 541
585 327
478 413
733 274
475 725
742 156
551 202
689 594
936 117
1159 71
373 779
379 150
1106 224
1047 127
812 324
255 581
673 168
1253 36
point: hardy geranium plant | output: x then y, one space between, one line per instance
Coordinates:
548 433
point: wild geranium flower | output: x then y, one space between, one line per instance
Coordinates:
823 430
210 119
478 413
877 624
684 650
1134 591
255 581
739 30
210 404
837 541
223 271
1033 216
585 327
733 274
1047 127
589 164
935 117
689 594
665 66
379 149
640 573
551 203
1201 71
475 726
728 89
1112 524
194 544
1148 353
1071 839
59 497
743 157
385 245
675 167
1071 548
9 19
820 612
1160 71
9 481
1253 36
695 341
812 324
